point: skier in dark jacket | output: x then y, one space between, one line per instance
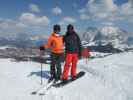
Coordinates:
72 50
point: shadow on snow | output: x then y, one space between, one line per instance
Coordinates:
45 74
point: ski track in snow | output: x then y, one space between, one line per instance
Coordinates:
108 78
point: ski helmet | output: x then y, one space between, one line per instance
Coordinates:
70 27
56 27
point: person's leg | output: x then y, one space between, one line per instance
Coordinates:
58 67
52 68
52 71
74 65
58 71
67 66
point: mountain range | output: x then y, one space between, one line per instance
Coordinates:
23 40
114 36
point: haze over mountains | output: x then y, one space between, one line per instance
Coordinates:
22 40
93 36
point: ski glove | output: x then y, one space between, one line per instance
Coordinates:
42 48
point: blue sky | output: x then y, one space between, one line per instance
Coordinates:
38 16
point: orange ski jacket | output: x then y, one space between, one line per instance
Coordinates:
55 43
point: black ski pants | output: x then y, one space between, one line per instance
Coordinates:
55 68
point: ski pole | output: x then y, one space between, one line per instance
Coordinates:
41 66
41 74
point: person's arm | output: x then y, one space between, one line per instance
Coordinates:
63 38
79 44
48 45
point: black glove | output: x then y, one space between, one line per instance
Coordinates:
42 48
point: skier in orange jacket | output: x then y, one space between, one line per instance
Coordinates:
55 43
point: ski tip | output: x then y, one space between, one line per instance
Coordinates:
33 93
41 94
82 72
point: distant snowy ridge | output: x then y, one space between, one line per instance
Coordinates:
23 40
108 35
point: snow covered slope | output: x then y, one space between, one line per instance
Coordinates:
108 78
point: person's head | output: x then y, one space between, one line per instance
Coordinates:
56 28
70 28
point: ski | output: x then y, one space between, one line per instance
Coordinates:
79 75
44 91
41 88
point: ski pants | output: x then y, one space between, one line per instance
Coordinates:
55 68
70 62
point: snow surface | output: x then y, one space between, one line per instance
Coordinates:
108 78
